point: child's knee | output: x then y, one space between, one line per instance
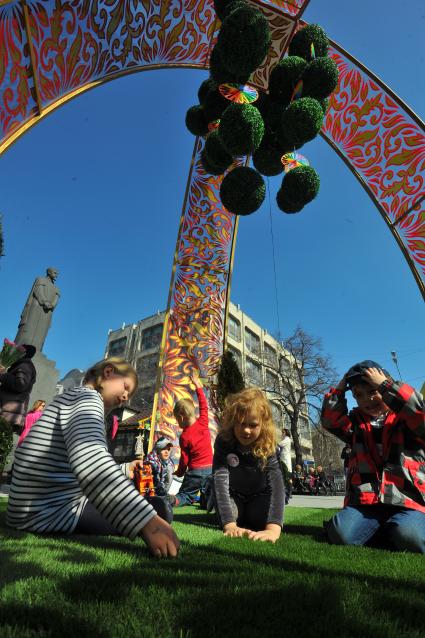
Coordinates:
336 533
408 538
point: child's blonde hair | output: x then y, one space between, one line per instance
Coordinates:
185 408
235 410
94 375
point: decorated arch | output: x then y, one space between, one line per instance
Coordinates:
53 50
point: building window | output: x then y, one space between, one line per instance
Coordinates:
117 347
252 341
285 366
277 415
147 368
234 329
237 356
151 337
269 356
253 372
124 445
272 382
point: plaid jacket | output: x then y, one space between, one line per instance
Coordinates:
398 477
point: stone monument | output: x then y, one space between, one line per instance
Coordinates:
33 328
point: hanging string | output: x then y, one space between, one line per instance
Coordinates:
274 262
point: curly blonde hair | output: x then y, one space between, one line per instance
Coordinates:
236 408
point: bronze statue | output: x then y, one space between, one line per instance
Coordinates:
37 314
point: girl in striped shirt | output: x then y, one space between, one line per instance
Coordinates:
65 480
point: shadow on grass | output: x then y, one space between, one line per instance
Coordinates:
45 620
229 588
209 521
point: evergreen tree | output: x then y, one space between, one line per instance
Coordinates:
229 379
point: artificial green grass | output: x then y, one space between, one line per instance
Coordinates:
110 587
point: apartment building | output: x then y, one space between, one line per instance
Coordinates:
253 347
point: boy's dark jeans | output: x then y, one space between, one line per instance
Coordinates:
193 483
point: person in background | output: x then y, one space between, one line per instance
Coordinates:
65 480
249 493
33 415
312 480
286 460
386 471
16 384
162 465
195 446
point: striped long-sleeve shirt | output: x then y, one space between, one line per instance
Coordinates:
63 463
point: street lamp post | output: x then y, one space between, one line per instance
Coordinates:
394 358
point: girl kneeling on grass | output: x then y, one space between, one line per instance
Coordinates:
249 493
65 480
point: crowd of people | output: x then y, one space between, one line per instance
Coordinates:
65 480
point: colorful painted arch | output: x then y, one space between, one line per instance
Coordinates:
53 50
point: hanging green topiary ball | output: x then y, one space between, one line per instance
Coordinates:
209 166
244 40
195 120
241 129
267 160
320 78
214 105
298 188
301 121
206 86
215 154
284 78
271 112
242 190
304 38
220 74
223 7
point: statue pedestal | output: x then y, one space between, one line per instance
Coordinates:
47 377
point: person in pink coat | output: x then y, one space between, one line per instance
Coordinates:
33 415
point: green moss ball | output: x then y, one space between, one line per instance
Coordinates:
271 112
284 78
223 7
301 121
242 190
215 154
267 160
244 40
301 42
214 105
298 188
206 86
220 74
241 129
320 78
195 120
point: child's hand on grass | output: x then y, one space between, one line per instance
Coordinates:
233 531
160 538
270 534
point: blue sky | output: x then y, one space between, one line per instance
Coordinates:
96 190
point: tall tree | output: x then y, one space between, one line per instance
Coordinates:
297 377
229 380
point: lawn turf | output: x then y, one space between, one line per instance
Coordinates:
110 587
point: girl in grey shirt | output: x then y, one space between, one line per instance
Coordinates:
248 484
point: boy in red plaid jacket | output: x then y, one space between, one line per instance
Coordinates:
386 469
